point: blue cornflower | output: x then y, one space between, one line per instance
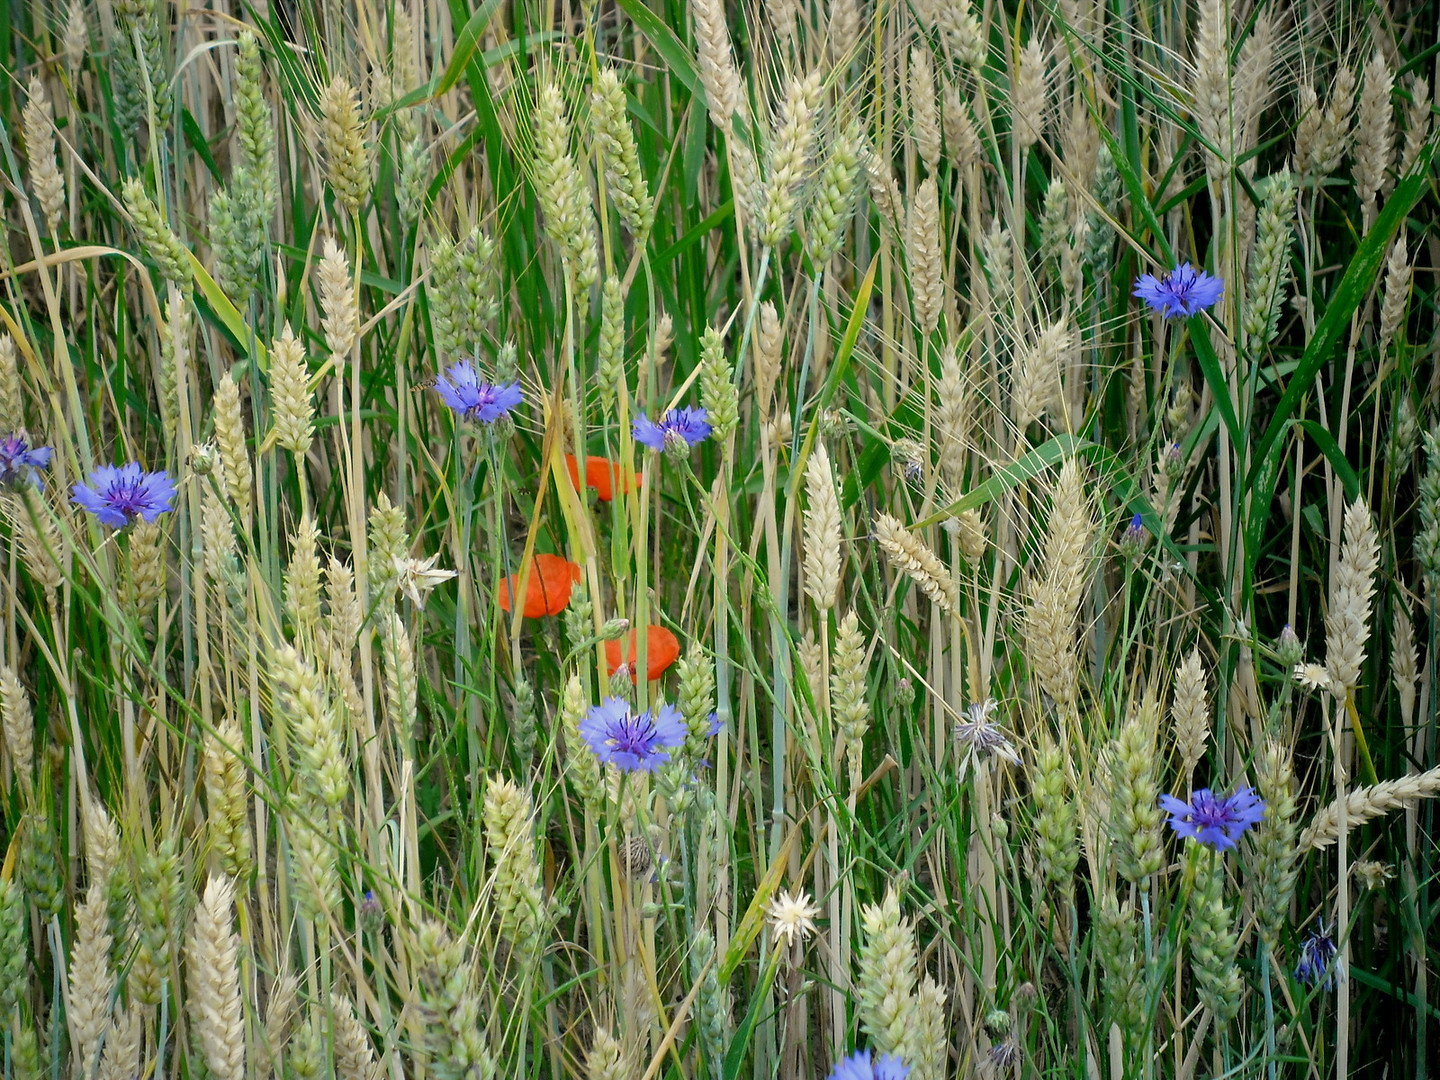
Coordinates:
1317 966
631 741
678 429
1183 291
19 461
858 1066
1215 822
119 495
472 397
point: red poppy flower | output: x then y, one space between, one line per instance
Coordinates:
661 650
601 474
548 592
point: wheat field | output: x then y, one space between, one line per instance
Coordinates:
1005 435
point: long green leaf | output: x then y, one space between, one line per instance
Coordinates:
838 368
1354 286
1009 476
1333 454
466 42
676 55
228 314
735 1055
1214 376
1359 277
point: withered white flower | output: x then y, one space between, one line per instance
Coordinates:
1371 873
1313 676
792 915
419 576
977 733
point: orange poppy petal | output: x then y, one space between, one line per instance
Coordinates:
574 471
548 591
601 474
597 476
662 649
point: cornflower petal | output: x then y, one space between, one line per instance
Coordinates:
472 398
679 427
117 496
633 742
1215 822
20 462
1183 291
861 1066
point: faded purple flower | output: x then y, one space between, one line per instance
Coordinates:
678 429
1288 647
978 734
1317 966
117 495
1216 822
633 741
1005 1053
20 462
859 1066
372 915
472 397
1183 291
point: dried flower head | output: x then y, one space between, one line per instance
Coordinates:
1318 966
792 916
416 577
979 734
1372 873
